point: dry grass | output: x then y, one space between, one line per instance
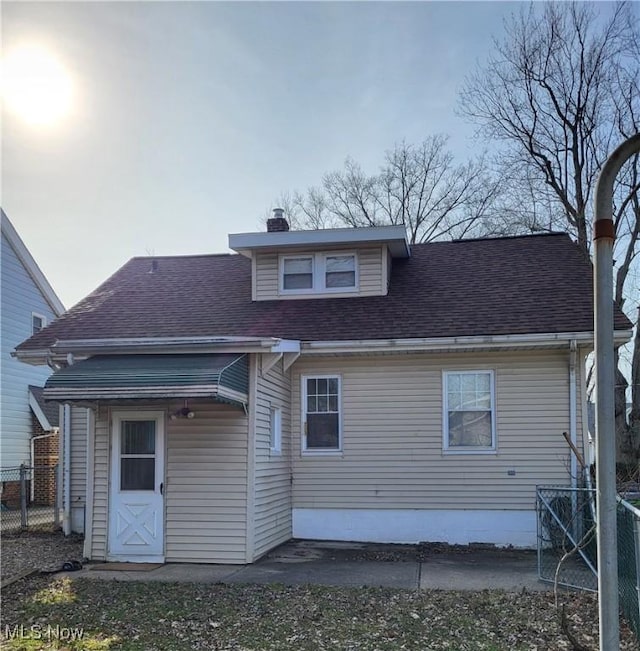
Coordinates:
172 616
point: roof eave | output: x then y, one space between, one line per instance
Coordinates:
67 350
453 344
395 237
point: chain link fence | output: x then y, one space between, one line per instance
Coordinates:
29 498
567 552
629 563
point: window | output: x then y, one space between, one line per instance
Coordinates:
297 273
340 271
137 455
469 411
37 322
276 430
321 408
318 273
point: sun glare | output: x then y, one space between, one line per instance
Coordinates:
34 85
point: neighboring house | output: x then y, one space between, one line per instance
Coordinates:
28 305
336 384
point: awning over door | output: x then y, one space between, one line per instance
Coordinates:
223 376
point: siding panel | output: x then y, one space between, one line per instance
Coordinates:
19 297
206 485
272 510
392 434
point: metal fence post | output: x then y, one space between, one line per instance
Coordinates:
23 496
636 540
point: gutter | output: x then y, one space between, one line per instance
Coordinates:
456 343
80 348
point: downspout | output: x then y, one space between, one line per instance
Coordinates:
573 418
33 456
66 471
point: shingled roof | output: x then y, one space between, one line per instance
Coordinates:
515 285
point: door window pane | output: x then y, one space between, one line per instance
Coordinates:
137 474
138 437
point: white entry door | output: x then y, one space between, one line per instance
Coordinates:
136 505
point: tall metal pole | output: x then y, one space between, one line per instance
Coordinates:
604 236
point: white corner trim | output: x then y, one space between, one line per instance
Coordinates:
29 263
410 526
251 459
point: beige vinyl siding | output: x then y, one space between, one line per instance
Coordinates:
370 272
272 510
78 470
100 486
78 456
393 431
206 485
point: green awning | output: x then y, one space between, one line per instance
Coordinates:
223 376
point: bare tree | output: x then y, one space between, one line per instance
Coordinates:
559 93
420 186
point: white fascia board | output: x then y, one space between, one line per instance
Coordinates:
39 414
155 345
395 237
31 265
456 343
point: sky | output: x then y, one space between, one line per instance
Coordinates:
188 120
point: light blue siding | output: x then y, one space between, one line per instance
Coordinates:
20 296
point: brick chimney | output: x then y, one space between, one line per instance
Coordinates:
277 223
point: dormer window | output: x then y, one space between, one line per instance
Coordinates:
297 273
318 273
340 271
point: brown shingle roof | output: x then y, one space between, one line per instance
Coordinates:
517 285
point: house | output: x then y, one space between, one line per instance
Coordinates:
334 384
29 304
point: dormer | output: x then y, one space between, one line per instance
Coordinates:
328 263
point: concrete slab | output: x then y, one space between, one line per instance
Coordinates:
332 573
187 572
475 572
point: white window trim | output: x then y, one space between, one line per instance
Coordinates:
39 316
446 449
313 452
275 432
318 277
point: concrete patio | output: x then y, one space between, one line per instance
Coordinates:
347 564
